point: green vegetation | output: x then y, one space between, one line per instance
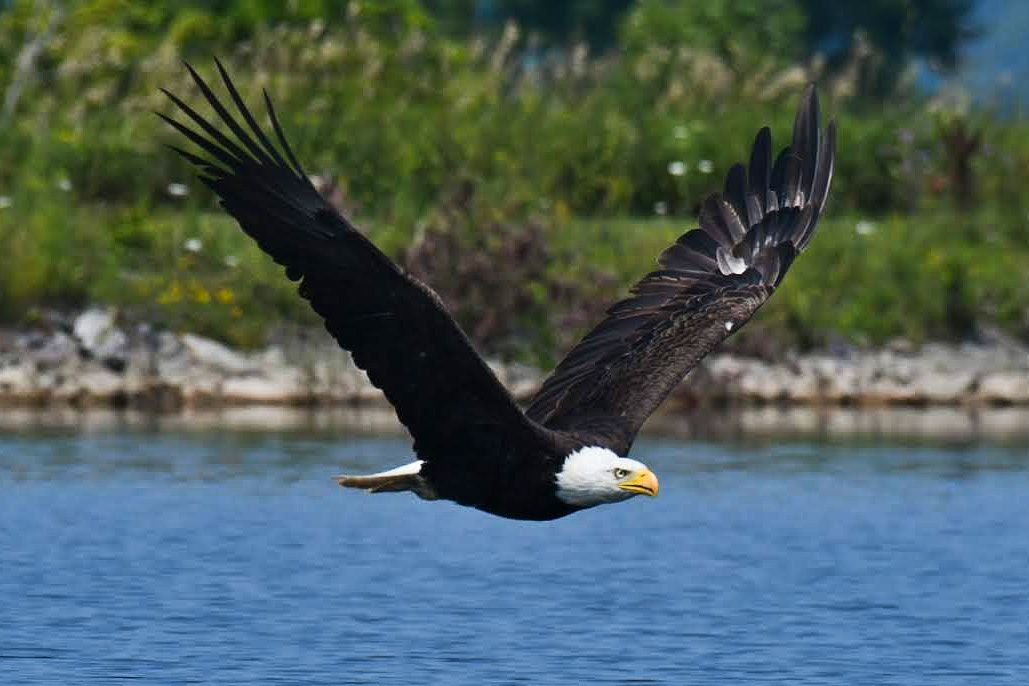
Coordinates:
399 112
859 282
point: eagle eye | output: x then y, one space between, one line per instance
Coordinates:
621 473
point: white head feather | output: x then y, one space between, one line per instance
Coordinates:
593 476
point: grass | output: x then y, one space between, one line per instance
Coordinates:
920 277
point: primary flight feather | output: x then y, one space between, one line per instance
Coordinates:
568 451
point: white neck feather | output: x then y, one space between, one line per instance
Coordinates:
586 478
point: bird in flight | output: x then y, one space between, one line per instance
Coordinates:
569 449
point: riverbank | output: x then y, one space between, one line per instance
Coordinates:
92 361
935 425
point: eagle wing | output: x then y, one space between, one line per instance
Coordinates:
396 328
710 282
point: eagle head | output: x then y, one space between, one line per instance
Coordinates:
594 476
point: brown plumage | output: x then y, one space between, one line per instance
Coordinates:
477 446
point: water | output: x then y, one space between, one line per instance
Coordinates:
172 556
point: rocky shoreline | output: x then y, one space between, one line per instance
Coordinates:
981 374
93 361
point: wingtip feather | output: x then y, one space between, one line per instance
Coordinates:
282 136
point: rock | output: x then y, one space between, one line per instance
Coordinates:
55 351
197 389
216 356
523 381
95 332
89 386
947 388
935 374
169 345
1005 387
360 390
17 380
285 386
272 356
93 326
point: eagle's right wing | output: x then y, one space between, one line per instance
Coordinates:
396 328
711 282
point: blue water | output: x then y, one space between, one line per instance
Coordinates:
232 558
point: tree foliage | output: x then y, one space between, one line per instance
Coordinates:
731 29
901 29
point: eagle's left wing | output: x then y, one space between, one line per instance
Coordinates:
711 281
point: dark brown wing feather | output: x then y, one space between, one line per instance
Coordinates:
709 284
395 327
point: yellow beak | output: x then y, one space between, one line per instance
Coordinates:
643 482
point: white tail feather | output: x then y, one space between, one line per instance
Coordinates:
403 478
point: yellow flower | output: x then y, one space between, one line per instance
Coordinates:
171 295
226 296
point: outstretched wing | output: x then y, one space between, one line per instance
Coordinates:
709 284
396 328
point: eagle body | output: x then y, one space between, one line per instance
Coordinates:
568 450
523 487
551 489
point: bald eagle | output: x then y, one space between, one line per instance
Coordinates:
569 449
